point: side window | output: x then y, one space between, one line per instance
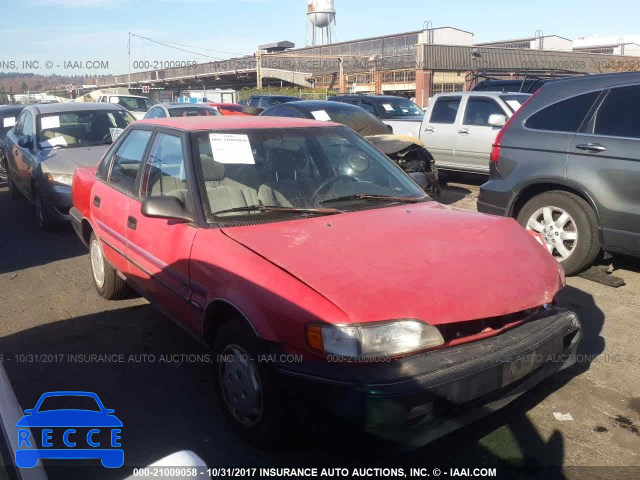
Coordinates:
19 123
479 109
28 128
165 173
618 114
155 112
564 116
126 163
445 110
286 112
368 107
254 102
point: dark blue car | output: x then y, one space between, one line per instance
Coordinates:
96 417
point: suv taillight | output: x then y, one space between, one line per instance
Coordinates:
495 149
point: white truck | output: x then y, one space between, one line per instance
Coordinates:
459 129
136 104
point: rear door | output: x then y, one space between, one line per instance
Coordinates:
475 136
159 250
605 157
113 197
439 130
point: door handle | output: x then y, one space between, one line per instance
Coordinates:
132 223
464 131
591 147
429 129
96 201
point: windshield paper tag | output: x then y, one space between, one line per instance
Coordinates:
231 149
9 122
388 107
321 115
115 133
50 122
54 142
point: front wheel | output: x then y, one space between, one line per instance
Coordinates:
245 387
105 278
44 221
569 227
3 166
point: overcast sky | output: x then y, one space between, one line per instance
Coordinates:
81 30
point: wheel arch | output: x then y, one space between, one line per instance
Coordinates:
217 312
534 189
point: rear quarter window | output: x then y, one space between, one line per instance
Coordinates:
564 116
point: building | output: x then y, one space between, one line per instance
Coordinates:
419 63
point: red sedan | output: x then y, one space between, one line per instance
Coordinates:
321 275
228 109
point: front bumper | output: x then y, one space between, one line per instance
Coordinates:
416 400
56 200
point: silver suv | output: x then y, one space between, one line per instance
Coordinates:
460 128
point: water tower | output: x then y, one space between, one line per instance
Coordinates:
321 18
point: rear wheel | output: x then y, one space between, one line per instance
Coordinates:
245 387
569 227
105 278
3 166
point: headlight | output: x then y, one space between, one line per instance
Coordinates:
372 340
59 178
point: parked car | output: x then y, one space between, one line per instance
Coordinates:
138 105
294 249
408 152
176 109
460 128
567 165
228 109
266 101
49 142
402 114
8 115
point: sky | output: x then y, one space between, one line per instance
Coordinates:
77 31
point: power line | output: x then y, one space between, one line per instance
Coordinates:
167 44
208 49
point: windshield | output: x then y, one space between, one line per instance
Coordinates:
193 112
7 122
82 129
515 100
296 168
401 107
69 402
134 104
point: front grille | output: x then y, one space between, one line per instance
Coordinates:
455 331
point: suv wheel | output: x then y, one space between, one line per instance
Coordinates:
3 166
105 278
569 227
245 386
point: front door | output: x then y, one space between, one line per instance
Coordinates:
475 136
159 249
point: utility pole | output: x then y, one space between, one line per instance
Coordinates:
259 69
341 75
129 50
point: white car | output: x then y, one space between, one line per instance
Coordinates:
136 104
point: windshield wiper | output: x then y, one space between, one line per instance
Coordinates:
267 208
366 196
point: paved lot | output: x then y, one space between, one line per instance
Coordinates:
48 305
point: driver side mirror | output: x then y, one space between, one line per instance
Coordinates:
169 208
25 142
497 120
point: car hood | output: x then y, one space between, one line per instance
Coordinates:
66 160
392 143
69 418
424 261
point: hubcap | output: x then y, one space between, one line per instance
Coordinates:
558 229
97 263
240 385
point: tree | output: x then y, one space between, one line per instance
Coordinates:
24 87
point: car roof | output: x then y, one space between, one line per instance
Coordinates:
481 93
4 109
373 97
75 107
317 105
233 123
273 96
183 104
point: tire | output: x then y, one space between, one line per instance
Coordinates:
44 221
3 166
572 239
105 278
261 418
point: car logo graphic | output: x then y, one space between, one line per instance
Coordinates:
80 433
